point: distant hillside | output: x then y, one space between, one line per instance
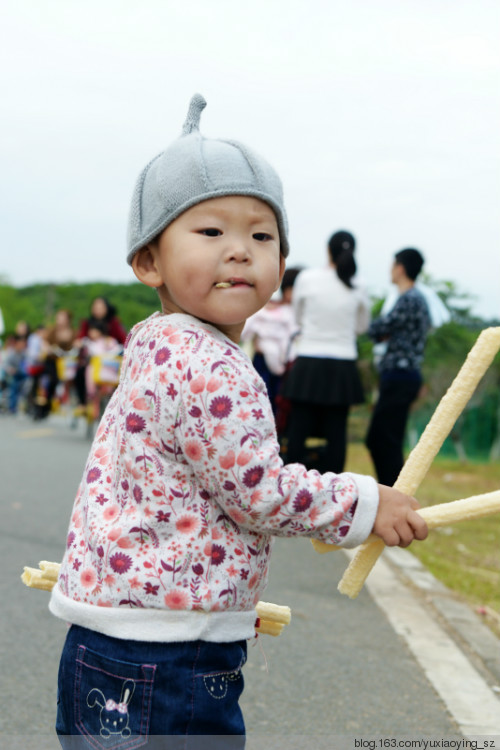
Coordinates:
38 303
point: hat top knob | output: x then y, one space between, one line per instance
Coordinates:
196 107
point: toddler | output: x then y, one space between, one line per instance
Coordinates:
184 489
98 344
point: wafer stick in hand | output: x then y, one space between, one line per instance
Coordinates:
444 514
413 472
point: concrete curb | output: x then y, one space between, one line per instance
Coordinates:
463 624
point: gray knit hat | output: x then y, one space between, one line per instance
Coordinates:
193 169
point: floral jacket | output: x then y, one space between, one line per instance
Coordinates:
184 489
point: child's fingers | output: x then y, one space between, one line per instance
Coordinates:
418 524
389 535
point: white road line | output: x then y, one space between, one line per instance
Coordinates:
467 696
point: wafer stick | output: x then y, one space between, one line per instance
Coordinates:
413 472
35 579
274 613
444 514
50 570
273 617
266 627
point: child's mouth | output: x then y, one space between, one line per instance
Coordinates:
230 283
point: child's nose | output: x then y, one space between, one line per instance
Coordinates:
238 249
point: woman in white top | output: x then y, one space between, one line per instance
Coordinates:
324 380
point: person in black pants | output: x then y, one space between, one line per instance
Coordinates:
404 331
331 310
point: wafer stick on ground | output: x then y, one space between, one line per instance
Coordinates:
413 472
272 617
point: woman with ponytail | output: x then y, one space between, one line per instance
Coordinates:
331 311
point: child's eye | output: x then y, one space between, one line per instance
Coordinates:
210 232
262 237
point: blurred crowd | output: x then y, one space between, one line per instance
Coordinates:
43 367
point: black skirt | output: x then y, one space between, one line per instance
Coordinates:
322 380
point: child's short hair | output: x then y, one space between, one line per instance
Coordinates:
194 169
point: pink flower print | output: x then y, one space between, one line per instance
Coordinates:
114 534
243 415
102 455
232 571
198 384
253 580
302 501
194 450
110 579
238 516
125 542
228 460
120 562
218 554
104 603
216 534
253 476
134 423
221 407
93 475
111 512
88 578
214 384
70 539
140 404
134 582
169 331
243 458
313 515
137 493
219 430
255 497
187 524
101 499
177 599
162 356
131 469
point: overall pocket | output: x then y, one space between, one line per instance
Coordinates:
112 700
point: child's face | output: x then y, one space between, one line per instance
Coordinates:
232 240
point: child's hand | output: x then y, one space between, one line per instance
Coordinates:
397 522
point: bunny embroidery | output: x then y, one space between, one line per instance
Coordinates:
114 716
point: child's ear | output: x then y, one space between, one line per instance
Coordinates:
282 271
144 267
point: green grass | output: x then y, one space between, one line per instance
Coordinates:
465 556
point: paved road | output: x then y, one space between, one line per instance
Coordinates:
339 670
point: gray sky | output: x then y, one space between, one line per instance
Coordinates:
380 115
